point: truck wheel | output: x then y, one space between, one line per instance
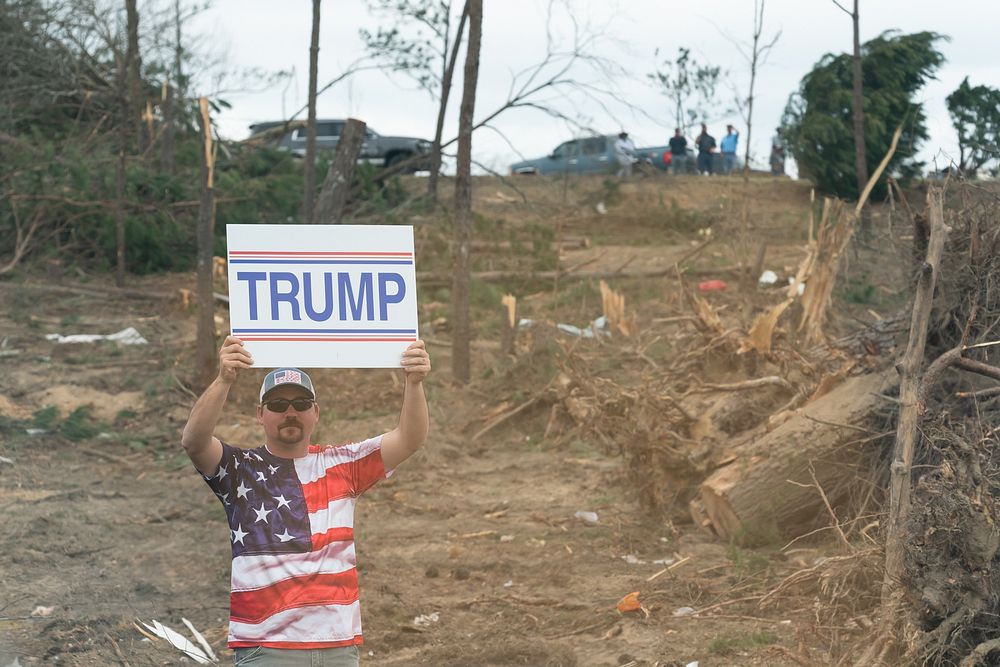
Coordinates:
396 158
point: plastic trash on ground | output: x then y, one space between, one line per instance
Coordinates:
589 518
683 611
768 277
128 336
203 655
712 285
426 619
600 325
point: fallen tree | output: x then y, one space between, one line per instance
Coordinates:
786 482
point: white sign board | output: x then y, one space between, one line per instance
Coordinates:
323 296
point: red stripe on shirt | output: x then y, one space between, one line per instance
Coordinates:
300 645
315 589
320 540
335 484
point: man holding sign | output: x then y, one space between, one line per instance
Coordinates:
323 296
290 506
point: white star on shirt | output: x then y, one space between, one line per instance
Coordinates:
282 502
272 469
260 476
236 462
285 537
221 475
242 491
262 514
247 455
238 534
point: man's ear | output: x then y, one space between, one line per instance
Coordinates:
260 415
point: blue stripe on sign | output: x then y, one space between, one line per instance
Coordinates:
329 331
319 261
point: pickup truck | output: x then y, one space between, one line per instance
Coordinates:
376 149
589 155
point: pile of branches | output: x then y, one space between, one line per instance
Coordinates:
952 564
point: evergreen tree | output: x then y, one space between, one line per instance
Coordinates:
818 121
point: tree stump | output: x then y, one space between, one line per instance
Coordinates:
769 492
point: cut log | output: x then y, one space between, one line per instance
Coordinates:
768 491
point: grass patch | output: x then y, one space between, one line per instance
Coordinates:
743 642
80 425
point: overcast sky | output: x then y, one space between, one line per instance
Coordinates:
275 36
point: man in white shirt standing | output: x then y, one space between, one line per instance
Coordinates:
625 154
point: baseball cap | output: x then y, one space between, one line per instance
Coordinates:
286 376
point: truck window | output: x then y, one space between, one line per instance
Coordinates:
594 146
566 149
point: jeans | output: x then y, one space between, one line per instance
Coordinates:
678 164
704 163
728 162
258 656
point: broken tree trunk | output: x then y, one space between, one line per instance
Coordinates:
206 238
769 489
337 186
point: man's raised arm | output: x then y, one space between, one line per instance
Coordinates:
401 442
204 449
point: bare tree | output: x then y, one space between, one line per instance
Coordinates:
133 65
206 237
858 112
689 85
418 43
461 329
309 194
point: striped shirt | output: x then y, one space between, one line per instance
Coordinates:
294 569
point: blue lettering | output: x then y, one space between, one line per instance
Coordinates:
366 295
289 296
252 277
385 299
308 297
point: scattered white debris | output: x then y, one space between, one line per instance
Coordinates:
692 664
506 538
180 642
767 278
631 559
128 336
42 611
683 611
601 208
4 459
589 518
201 639
508 583
426 619
664 561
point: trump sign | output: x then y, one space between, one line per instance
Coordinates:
323 296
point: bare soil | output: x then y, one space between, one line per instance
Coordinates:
106 522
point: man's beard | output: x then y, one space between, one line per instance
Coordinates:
290 432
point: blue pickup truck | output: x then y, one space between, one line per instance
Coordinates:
589 155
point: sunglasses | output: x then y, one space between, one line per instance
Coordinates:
281 404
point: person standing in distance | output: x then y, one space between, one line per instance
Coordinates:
706 149
290 504
678 152
728 148
625 154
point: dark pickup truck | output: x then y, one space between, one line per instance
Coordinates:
375 149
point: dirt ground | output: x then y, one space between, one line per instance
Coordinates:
471 555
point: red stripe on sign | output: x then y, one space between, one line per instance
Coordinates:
333 340
315 589
320 540
297 253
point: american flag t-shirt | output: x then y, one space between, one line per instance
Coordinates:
294 570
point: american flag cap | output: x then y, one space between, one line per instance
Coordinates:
286 377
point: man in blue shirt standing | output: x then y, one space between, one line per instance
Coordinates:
728 147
